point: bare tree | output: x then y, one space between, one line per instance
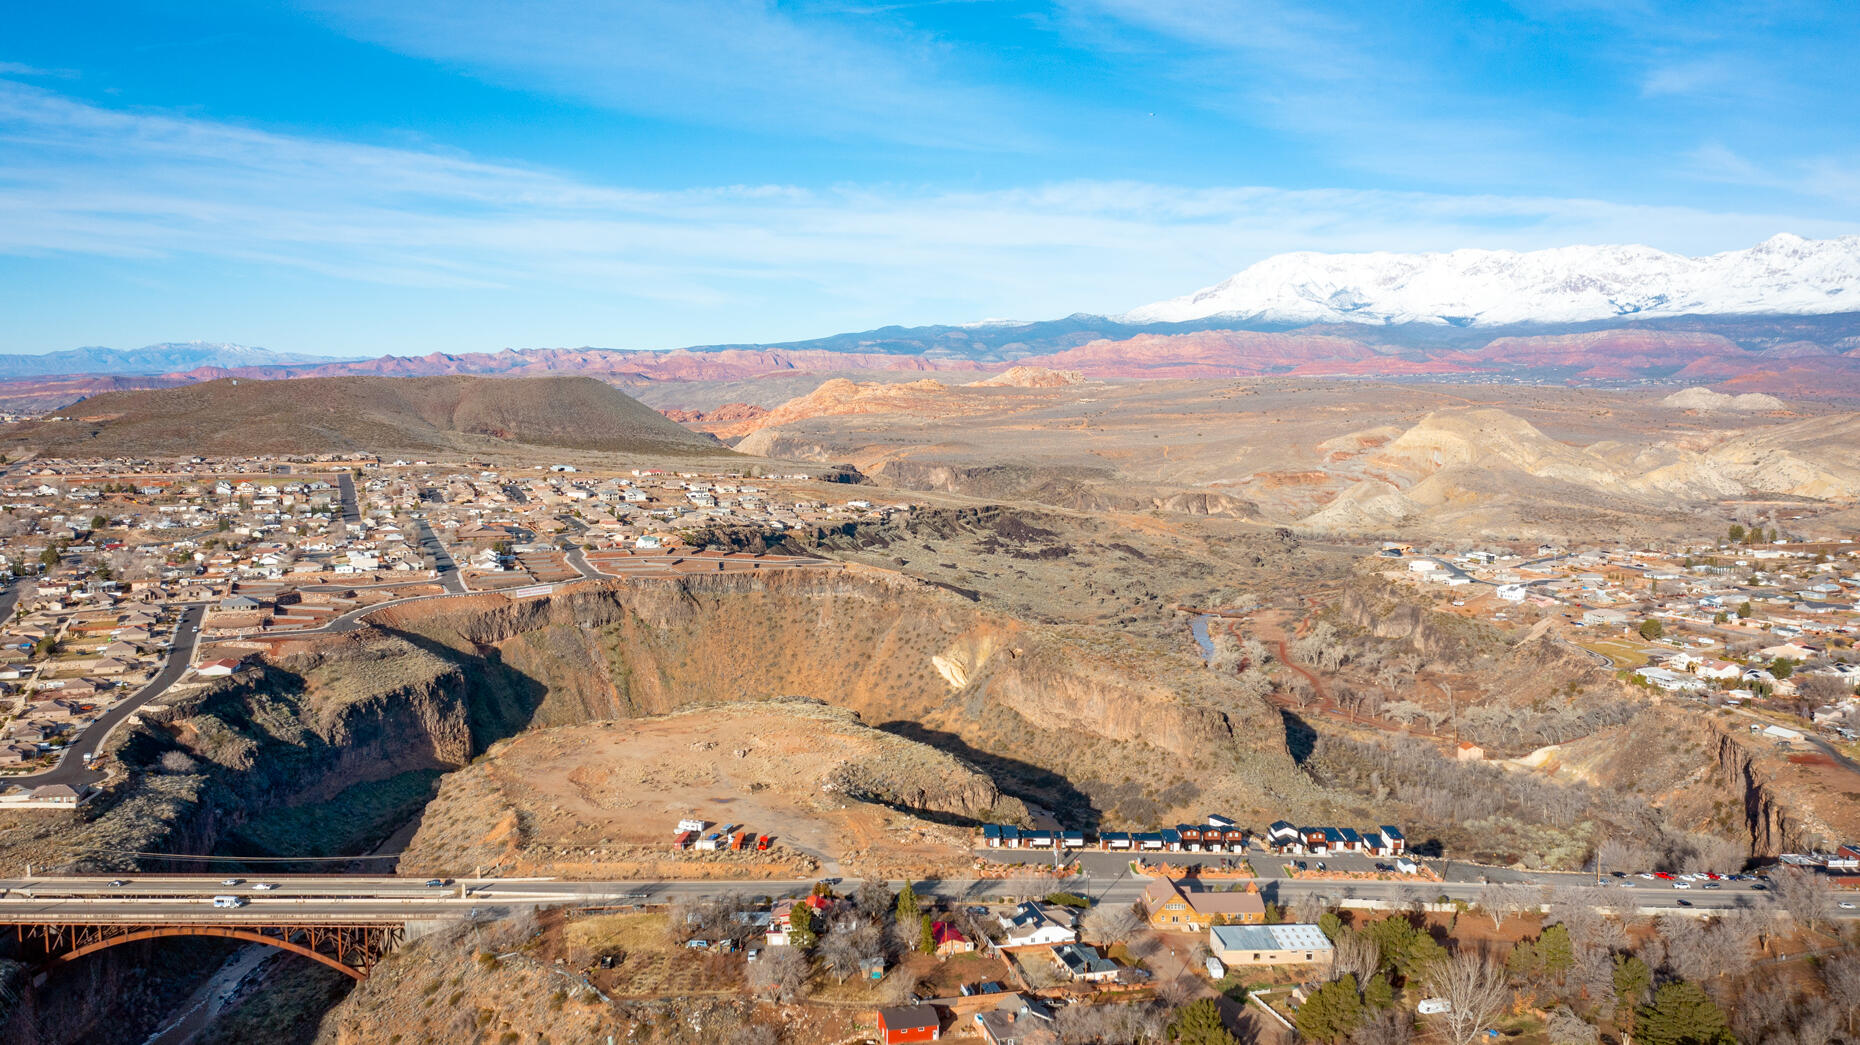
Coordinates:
872 898
1566 1028
1024 887
1112 923
780 974
1309 908
1621 854
844 949
1805 895
1384 1027
1473 986
1355 954
1502 900
1840 975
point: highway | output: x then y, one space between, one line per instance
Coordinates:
72 770
354 898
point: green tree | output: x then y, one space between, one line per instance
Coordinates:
1651 629
1555 953
1737 534
907 903
1720 617
926 938
1633 979
224 524
1405 949
1681 1014
1782 667
1378 993
49 557
1331 924
1332 1011
1745 610
801 926
98 522
1199 1023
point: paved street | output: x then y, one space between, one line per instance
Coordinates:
72 769
353 897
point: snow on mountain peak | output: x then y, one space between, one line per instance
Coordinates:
1783 275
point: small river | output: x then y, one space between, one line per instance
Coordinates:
1198 626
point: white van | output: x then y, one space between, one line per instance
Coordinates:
229 901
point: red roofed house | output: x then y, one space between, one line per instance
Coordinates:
218 668
949 940
909 1023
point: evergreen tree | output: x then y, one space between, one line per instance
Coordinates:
1736 534
1199 1023
1378 994
801 926
1555 954
1332 1011
907 903
926 940
1633 979
1331 924
1682 1014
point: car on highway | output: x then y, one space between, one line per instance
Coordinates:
1627 885
1683 902
264 887
1682 885
117 883
229 901
1847 905
435 883
231 881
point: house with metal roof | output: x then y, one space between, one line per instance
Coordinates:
1290 944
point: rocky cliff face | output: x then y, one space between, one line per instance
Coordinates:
1775 824
1435 636
1033 707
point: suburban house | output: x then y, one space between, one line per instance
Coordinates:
1030 926
1293 944
904 1023
949 940
1083 962
218 668
1171 906
1017 1020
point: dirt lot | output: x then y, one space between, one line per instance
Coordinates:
604 799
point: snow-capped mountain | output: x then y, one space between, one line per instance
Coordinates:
1783 275
169 357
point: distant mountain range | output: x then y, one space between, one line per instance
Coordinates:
167 358
1781 317
1783 275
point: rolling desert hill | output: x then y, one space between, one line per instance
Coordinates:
1347 458
333 415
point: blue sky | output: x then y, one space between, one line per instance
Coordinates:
356 177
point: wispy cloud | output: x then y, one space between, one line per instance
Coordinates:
159 190
808 71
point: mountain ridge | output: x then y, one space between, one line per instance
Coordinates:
1783 275
164 358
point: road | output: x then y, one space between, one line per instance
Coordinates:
449 576
345 485
352 898
72 769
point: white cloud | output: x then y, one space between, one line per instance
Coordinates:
731 63
77 180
